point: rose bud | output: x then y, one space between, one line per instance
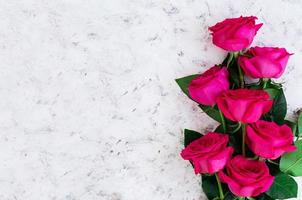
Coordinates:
235 34
264 62
244 105
205 88
269 140
209 154
246 178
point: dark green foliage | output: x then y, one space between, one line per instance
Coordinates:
284 187
212 112
209 186
233 73
279 108
184 82
292 125
190 136
273 166
264 196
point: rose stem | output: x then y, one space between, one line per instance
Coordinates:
255 158
241 78
243 138
231 55
237 128
222 121
264 80
219 187
270 161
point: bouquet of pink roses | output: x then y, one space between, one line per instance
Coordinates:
252 153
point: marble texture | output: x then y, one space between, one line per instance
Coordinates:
89 106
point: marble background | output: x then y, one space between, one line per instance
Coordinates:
89 109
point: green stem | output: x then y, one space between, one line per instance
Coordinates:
270 161
241 79
262 159
222 121
231 56
219 187
255 158
265 81
237 128
243 138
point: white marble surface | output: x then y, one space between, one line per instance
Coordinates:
89 108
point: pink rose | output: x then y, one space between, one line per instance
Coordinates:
208 86
246 178
269 140
264 62
235 34
244 105
209 153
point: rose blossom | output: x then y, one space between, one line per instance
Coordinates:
235 34
205 88
244 105
209 154
264 62
269 140
246 178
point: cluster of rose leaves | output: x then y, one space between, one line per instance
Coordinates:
252 153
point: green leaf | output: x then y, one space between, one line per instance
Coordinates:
291 163
273 166
299 124
271 89
264 196
292 125
212 112
228 60
219 129
190 136
254 86
235 138
235 141
284 187
184 82
272 84
279 107
209 186
234 74
230 196
272 92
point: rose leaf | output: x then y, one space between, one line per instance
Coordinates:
184 82
293 126
190 136
209 186
264 196
211 112
291 163
279 107
284 187
299 132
